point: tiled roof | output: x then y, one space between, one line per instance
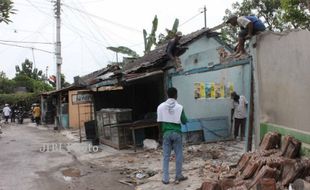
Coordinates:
158 55
92 77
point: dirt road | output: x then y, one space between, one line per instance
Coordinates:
24 164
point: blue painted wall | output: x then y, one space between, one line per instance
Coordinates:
210 115
201 53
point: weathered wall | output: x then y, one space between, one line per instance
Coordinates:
210 115
283 71
85 111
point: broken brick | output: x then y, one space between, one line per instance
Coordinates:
266 184
265 172
291 147
210 185
271 140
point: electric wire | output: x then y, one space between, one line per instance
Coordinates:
38 49
24 42
43 12
101 18
77 30
97 30
191 18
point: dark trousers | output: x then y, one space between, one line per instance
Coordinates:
12 118
37 120
239 123
6 119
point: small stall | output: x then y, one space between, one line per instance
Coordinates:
127 115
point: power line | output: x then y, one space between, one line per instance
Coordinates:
95 1
78 31
101 18
38 8
191 18
13 41
97 28
27 47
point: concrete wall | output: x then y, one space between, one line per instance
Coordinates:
204 108
283 73
201 53
81 112
210 115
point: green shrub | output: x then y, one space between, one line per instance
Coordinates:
20 99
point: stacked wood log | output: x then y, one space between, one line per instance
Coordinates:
271 167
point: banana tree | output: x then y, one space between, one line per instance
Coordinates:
170 33
150 40
123 50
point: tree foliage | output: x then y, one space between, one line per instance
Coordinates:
32 85
22 99
124 50
297 13
6 85
277 15
6 9
170 33
28 70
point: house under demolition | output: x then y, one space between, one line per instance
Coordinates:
122 102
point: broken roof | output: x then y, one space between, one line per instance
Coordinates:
94 77
158 55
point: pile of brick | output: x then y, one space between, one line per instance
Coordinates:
274 166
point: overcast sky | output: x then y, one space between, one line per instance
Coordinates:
89 26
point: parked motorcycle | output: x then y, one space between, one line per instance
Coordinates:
20 115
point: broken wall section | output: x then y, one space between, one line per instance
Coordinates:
281 62
283 71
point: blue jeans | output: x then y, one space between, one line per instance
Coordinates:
172 140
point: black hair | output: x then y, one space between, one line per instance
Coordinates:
172 92
236 98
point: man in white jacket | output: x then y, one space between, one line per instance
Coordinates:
6 112
171 114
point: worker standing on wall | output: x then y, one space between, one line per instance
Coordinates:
250 25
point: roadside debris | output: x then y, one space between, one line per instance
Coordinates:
150 144
136 176
268 168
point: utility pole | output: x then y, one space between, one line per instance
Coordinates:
46 74
205 15
34 61
58 46
58 62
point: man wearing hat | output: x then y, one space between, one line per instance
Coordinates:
249 25
174 49
6 112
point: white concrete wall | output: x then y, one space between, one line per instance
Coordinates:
283 73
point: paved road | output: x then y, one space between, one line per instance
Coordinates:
23 166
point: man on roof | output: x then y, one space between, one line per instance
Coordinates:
250 25
174 50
